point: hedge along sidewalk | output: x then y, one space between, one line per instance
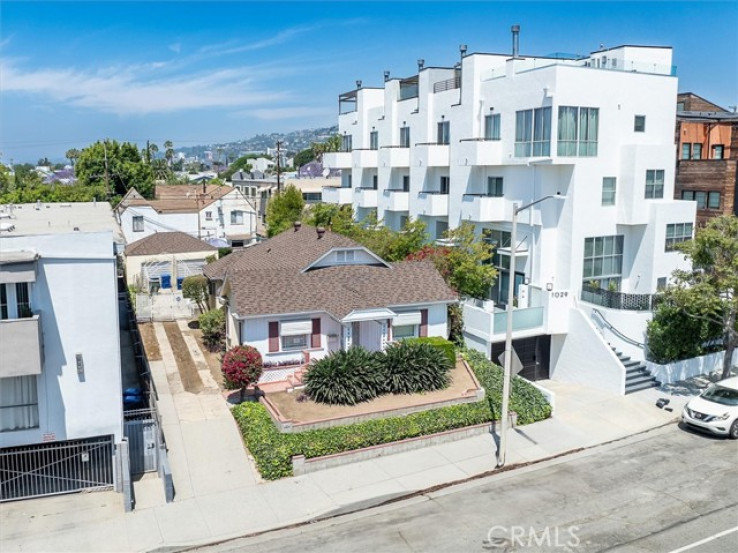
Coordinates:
273 450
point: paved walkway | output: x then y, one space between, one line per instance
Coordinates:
219 494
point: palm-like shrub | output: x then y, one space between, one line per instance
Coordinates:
345 377
415 367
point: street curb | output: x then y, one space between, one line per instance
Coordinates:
437 490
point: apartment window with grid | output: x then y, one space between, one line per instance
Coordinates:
138 223
713 200
696 150
494 187
677 233
444 132
404 137
237 217
22 300
345 256
717 151
639 123
578 130
18 403
609 188
492 127
654 184
444 185
374 140
523 133
686 150
406 183
346 143
603 260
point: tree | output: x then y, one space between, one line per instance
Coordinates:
196 288
709 291
169 152
242 366
44 162
339 218
72 155
121 163
212 325
331 144
153 148
283 209
303 157
673 335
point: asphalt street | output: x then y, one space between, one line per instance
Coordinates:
668 491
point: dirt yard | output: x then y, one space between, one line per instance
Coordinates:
151 344
287 405
212 358
187 368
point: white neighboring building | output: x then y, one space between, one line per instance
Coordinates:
203 211
61 411
465 144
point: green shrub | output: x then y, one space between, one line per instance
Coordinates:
412 367
212 324
345 377
196 288
446 346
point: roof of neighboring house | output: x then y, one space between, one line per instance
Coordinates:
268 278
179 198
168 242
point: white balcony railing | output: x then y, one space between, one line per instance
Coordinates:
365 197
479 152
433 204
485 209
365 158
337 160
396 200
431 155
337 195
394 157
492 324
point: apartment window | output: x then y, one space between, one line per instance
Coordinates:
346 143
677 233
661 284
608 190
374 182
3 303
578 129
492 127
444 132
542 132
654 184
717 151
444 185
441 229
603 260
345 256
701 199
686 150
713 200
403 221
523 132
404 137
494 187
208 215
680 106
18 403
138 223
639 124
374 140
696 150
22 300
237 217
404 331
406 183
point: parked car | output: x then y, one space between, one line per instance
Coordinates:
715 410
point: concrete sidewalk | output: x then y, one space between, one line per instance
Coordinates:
220 496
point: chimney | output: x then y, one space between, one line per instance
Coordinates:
204 188
386 76
358 84
421 64
297 225
320 231
515 41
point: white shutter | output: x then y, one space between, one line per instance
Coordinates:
296 328
404 319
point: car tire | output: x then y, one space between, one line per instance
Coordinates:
733 433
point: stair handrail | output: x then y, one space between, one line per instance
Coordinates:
617 333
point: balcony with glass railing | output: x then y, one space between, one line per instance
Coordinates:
483 319
485 208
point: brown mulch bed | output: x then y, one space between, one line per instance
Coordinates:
150 343
212 358
187 369
289 408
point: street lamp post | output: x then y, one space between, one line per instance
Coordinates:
507 375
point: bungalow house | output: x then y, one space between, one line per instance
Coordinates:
308 292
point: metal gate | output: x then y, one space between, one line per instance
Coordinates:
56 467
164 306
142 431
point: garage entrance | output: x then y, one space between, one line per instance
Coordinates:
534 354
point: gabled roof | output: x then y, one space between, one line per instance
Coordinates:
179 198
168 242
268 279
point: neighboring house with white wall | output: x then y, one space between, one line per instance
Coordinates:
469 143
61 412
166 258
203 211
308 292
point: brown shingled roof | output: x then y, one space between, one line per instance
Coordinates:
168 242
267 279
180 198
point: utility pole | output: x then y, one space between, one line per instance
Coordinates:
279 182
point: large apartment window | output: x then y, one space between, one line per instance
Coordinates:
138 223
686 150
374 140
713 200
523 133
696 150
406 183
444 185
374 182
609 185
3 303
578 129
237 217
677 233
494 187
542 132
444 132
18 403
441 229
22 300
603 261
654 184
639 123
718 151
404 137
492 127
346 143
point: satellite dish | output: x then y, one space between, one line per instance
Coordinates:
326 172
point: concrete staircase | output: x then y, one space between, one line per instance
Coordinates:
637 376
295 380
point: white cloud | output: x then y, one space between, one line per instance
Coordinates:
270 114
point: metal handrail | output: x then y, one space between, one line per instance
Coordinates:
448 84
616 332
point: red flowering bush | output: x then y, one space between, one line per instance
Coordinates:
242 366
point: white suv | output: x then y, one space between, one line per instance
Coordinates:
715 410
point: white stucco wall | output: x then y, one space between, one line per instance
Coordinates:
75 294
681 370
134 263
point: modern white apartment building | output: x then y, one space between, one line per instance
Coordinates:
468 143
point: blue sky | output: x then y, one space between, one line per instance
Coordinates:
196 73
